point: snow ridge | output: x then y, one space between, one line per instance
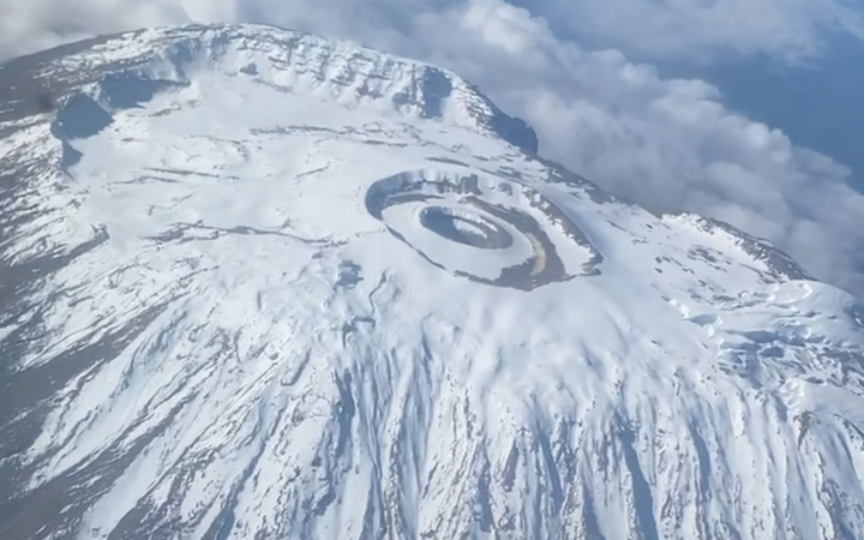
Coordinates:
282 287
129 68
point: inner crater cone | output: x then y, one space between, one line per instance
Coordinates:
465 228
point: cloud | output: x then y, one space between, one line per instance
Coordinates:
668 144
793 30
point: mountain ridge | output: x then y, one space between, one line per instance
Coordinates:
167 52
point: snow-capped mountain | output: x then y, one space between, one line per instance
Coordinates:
256 284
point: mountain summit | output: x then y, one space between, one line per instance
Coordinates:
261 285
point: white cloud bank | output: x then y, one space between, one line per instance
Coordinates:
667 144
791 30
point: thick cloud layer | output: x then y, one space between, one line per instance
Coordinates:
792 30
667 144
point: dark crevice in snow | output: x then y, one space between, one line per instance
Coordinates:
644 506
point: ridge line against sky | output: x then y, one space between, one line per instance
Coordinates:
594 80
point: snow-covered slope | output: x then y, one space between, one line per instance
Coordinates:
257 284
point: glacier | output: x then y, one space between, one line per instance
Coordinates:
258 284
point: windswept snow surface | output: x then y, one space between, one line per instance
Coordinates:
256 284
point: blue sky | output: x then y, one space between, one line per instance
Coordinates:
748 111
818 105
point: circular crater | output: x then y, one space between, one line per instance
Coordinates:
466 228
488 229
